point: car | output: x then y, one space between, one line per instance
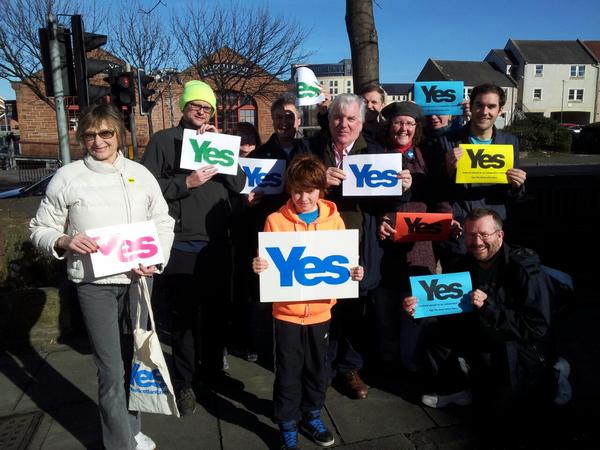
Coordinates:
572 127
34 190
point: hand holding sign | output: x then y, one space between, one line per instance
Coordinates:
80 243
478 298
516 177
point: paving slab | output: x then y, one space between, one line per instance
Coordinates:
16 375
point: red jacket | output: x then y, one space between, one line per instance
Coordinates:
286 219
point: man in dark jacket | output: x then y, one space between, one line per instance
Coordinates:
486 104
197 276
505 344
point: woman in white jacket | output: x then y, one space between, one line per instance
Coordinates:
103 189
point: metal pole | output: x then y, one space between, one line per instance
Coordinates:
133 134
59 96
562 101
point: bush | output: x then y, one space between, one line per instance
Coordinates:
588 140
541 133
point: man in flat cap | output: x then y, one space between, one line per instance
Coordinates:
198 274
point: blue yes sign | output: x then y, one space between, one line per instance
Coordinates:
440 295
263 175
368 175
440 97
308 265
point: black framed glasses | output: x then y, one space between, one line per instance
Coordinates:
196 107
104 134
483 236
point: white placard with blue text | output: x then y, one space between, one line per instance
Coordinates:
440 295
308 265
376 174
440 97
123 247
263 175
210 149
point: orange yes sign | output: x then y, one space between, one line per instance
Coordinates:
411 227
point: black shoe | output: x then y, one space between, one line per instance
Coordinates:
221 381
186 402
313 425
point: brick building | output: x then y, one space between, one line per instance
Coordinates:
38 127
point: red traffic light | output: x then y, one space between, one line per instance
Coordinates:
124 81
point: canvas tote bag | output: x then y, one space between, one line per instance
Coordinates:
150 388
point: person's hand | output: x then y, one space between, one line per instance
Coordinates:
324 105
259 265
207 127
144 271
253 198
80 243
478 298
453 156
200 176
466 109
516 177
406 179
335 176
409 305
357 273
385 230
456 229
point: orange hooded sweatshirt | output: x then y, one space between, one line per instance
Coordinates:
286 219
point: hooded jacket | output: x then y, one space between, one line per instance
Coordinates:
286 219
90 194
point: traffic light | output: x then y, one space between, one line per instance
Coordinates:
86 68
123 89
145 93
66 61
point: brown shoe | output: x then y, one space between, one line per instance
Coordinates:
355 387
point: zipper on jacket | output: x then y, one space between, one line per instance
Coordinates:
126 195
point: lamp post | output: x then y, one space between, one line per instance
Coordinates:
562 101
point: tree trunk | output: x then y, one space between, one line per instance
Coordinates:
360 24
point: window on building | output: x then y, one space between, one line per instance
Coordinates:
239 108
348 91
335 90
537 94
348 83
575 95
335 83
539 70
330 83
577 71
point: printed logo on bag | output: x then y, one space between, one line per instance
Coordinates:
210 155
127 250
439 291
435 95
485 161
373 178
146 381
307 90
309 270
258 178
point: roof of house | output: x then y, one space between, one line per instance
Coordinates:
553 52
397 88
503 55
594 47
472 73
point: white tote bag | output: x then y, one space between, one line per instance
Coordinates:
150 388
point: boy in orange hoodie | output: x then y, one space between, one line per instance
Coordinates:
302 328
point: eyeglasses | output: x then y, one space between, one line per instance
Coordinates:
405 124
104 134
483 236
195 107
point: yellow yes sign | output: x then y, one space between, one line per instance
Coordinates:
482 163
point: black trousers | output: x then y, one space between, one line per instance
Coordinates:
198 294
300 369
346 345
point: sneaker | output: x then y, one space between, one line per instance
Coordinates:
461 398
564 391
186 401
144 442
289 436
314 426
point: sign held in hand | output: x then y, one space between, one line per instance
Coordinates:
369 175
263 175
440 97
482 163
440 295
411 227
210 149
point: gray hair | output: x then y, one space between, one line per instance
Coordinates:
344 100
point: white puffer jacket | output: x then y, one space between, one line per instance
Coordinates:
91 194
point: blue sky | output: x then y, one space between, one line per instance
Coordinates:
411 32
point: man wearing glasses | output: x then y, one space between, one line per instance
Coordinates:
503 351
199 269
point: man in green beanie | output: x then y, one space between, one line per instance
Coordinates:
198 274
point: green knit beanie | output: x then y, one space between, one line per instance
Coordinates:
197 90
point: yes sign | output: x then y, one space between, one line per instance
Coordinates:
412 227
263 175
440 97
439 295
308 265
484 163
372 174
219 150
123 247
